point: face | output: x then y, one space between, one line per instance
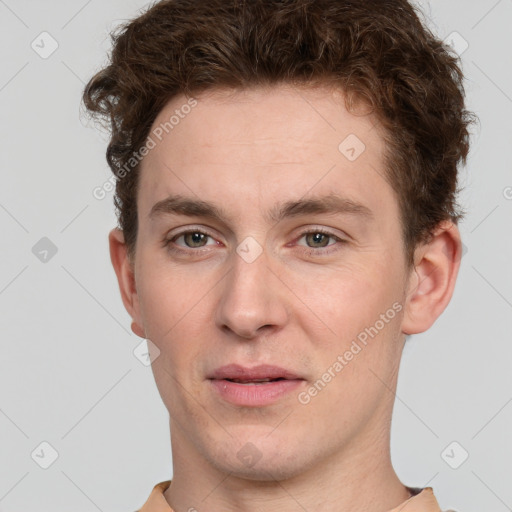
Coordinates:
269 246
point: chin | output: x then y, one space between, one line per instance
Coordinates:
259 457
263 471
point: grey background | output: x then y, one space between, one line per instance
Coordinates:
68 375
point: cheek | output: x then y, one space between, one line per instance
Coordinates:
353 367
174 311
343 301
176 324
170 298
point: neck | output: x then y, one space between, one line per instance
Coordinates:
357 479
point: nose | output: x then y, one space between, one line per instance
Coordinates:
252 300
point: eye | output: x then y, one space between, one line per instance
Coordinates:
194 239
191 239
319 241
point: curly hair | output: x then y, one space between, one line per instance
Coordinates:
377 50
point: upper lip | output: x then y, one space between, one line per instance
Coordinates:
264 371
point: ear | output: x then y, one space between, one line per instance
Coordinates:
126 279
432 279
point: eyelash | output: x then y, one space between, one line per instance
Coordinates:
321 251
310 251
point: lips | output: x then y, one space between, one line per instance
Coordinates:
259 381
254 387
261 373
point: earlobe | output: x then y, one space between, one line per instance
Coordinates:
126 278
432 280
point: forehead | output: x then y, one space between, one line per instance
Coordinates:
262 142
265 117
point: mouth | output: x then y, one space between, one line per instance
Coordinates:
261 373
253 387
256 381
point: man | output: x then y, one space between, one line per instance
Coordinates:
285 185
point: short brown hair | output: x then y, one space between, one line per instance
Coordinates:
378 50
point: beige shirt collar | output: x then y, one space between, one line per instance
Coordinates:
425 501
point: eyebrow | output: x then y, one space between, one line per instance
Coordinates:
330 204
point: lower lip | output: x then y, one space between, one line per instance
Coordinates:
254 394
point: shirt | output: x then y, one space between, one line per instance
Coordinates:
423 501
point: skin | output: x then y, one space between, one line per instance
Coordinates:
206 306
